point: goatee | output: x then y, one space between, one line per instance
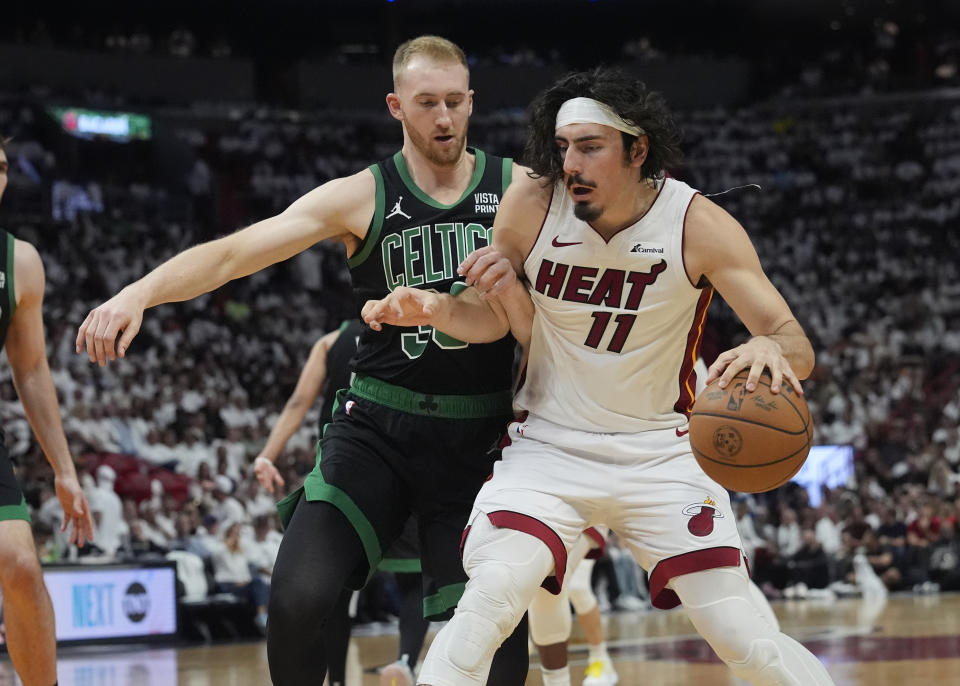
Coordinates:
586 212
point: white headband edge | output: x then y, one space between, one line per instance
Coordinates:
590 111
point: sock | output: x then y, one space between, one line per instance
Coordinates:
599 652
556 677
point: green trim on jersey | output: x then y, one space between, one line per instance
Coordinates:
423 197
402 565
445 598
507 172
287 505
372 239
11 285
316 488
344 325
11 512
428 405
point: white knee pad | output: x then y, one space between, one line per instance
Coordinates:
764 664
724 610
581 590
505 568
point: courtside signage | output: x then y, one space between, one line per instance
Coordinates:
105 603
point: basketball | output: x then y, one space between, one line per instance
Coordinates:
750 441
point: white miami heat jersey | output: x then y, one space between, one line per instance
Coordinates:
618 325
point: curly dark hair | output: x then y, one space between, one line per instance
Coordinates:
627 96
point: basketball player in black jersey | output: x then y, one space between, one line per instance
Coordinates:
328 371
28 613
418 430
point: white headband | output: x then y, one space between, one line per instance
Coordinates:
590 111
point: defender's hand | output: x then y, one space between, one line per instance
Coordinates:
98 333
403 307
76 510
267 473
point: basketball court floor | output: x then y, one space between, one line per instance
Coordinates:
904 639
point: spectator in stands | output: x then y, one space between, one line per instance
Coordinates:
108 514
944 569
227 508
232 574
880 559
748 532
828 530
789 538
628 574
262 549
892 534
808 567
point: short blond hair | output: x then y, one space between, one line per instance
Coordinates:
434 47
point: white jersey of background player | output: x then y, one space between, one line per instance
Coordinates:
598 144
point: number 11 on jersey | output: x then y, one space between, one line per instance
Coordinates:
601 320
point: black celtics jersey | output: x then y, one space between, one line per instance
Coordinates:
415 241
8 302
338 365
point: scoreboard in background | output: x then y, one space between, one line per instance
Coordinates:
116 126
826 465
113 602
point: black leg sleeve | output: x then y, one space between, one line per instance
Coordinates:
512 661
319 551
413 627
336 639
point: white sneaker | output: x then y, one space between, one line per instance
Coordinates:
600 673
397 674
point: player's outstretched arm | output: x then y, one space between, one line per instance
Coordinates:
312 376
338 210
27 353
719 249
464 316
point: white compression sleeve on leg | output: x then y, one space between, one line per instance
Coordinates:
549 616
763 605
581 589
505 568
722 608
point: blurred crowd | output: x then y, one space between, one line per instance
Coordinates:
852 220
848 46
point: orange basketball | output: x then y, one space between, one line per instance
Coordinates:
750 441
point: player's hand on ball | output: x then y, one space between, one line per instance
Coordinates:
403 307
757 354
122 314
267 473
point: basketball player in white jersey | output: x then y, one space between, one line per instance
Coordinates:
621 264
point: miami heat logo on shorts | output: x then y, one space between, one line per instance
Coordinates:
701 517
